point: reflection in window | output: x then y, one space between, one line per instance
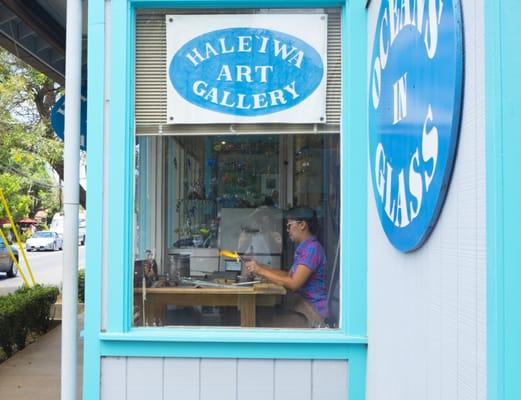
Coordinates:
238 230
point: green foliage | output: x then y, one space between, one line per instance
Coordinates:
81 286
25 235
42 227
23 312
29 149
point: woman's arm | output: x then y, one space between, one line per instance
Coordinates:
293 282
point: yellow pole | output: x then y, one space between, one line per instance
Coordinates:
15 231
26 282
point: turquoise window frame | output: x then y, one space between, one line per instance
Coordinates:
120 338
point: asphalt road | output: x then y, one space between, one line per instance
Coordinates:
47 267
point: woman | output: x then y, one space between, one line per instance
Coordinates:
307 276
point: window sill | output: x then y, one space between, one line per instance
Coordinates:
227 335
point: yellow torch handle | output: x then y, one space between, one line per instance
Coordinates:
229 254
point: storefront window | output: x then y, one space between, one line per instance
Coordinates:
234 224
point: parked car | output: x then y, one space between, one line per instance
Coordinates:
57 226
44 240
6 262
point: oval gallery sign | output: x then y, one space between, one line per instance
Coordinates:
246 68
415 99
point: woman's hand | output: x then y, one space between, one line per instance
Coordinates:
253 266
292 282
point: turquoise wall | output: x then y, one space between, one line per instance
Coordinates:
110 198
503 85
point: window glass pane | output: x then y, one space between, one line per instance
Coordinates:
207 207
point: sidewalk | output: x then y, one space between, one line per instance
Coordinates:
34 372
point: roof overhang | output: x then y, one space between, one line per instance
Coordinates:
35 32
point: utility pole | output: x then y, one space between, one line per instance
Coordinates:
71 159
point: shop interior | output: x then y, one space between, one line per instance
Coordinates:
205 203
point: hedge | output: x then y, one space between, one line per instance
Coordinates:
81 286
23 312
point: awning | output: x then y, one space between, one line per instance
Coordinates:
27 221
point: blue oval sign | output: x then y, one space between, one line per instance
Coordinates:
246 71
415 101
58 119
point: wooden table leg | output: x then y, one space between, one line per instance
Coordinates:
246 305
155 313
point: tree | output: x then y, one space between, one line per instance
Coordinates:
29 149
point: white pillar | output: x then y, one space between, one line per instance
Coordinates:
71 160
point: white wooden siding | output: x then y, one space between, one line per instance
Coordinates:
126 378
114 370
249 375
289 382
218 379
183 376
147 377
427 309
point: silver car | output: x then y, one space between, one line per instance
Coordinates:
6 262
44 240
